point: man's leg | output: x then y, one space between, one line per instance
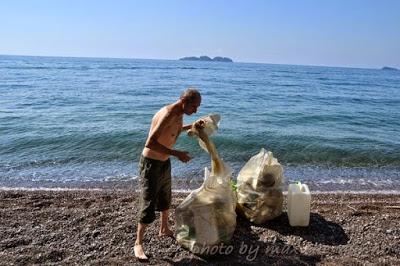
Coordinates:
148 176
164 228
164 202
139 253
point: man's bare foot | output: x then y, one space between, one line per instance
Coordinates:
139 253
166 232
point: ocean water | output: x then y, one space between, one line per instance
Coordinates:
68 122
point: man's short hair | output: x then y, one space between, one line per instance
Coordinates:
190 95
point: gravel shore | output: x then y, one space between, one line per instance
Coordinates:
99 226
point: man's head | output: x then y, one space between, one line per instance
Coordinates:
191 100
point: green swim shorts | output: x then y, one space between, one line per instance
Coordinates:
155 186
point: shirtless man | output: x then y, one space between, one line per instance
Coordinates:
155 165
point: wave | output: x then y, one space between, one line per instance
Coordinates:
74 148
102 68
45 68
289 149
302 150
320 179
150 68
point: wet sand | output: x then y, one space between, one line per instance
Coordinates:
98 227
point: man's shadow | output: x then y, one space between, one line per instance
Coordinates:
319 230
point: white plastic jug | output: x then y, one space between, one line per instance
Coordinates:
299 203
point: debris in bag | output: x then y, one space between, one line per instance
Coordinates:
207 216
259 188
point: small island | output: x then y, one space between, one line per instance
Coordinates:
389 68
206 58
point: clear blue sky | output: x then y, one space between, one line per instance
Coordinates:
356 33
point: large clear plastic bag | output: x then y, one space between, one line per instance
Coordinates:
207 216
259 188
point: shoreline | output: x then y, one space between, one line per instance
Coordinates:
61 227
187 191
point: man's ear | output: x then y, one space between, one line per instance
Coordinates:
184 102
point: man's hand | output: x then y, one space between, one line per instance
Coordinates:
199 124
183 156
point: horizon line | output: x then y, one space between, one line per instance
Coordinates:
132 58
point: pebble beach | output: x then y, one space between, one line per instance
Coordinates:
98 227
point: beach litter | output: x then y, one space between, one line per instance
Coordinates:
299 204
207 218
259 188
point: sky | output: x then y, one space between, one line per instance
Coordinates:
351 33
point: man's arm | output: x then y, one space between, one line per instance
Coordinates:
186 127
199 124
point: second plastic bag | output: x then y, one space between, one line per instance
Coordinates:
207 216
259 188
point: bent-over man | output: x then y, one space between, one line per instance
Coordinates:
155 165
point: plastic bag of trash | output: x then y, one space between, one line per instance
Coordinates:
207 216
259 188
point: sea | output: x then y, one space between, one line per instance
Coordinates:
82 122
